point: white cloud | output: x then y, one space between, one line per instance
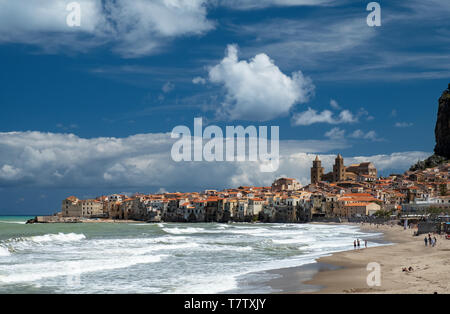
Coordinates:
403 124
335 133
17 18
256 4
334 104
199 80
168 87
311 116
143 162
134 28
370 135
339 134
8 172
141 26
257 90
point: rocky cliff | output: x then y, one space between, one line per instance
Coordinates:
442 130
442 133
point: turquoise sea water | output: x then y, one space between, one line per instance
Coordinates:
156 258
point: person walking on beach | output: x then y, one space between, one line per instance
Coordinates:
426 241
354 244
359 244
365 243
434 241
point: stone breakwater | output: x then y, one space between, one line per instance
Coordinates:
53 219
62 220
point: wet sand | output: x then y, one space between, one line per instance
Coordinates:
431 266
346 272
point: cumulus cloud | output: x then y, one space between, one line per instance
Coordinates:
199 80
49 160
370 135
335 133
257 90
134 28
311 116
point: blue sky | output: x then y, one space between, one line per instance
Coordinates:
87 110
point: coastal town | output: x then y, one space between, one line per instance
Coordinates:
346 192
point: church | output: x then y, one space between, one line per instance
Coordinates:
340 172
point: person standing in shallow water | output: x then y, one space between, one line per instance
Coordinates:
365 244
354 244
359 244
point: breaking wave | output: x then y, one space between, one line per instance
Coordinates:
4 252
60 237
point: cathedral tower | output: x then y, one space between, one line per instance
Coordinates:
338 169
316 171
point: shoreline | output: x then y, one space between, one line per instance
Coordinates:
297 279
346 272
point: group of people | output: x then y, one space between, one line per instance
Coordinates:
357 243
429 241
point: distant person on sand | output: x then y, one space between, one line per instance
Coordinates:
426 241
354 244
359 244
434 241
365 243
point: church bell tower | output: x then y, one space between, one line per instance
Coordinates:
316 171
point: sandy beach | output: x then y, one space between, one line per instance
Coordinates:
430 266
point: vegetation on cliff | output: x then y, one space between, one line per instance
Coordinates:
430 162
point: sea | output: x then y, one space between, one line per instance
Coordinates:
170 258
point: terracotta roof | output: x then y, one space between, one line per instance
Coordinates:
357 204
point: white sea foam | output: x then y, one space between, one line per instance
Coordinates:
197 258
200 284
34 271
43 240
300 240
250 231
13 222
4 252
215 247
183 230
137 251
60 237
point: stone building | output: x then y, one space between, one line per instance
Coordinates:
342 173
73 207
286 184
316 171
338 169
70 207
